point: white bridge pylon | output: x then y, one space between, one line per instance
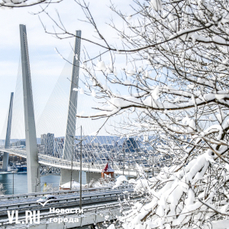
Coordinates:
72 111
33 173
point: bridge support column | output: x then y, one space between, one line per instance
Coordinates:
72 107
33 173
66 176
8 132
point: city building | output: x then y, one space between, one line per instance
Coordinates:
47 144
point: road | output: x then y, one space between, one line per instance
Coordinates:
63 201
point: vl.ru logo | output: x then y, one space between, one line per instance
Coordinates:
43 204
31 217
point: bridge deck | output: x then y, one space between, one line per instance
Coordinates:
63 215
66 164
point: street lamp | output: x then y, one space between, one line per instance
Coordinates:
124 157
71 160
81 140
13 180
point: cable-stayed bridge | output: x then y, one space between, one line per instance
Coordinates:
66 153
56 162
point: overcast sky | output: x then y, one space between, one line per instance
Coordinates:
46 64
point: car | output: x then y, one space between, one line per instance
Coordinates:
46 199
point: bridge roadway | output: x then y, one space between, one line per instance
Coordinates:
66 164
66 206
90 216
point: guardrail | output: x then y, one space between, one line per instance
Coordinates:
61 208
64 202
61 192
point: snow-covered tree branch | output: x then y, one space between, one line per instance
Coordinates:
26 3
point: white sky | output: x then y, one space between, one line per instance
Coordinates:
46 65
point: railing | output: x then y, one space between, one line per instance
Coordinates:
69 201
61 192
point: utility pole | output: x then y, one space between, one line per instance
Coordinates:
72 162
81 140
13 182
124 156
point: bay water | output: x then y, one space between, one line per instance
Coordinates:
17 183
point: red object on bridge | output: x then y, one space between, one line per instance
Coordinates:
108 171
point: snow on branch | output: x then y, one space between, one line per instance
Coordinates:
26 3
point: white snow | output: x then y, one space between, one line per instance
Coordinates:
156 4
119 181
101 66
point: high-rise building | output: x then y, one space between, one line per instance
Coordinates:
58 147
130 145
47 141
